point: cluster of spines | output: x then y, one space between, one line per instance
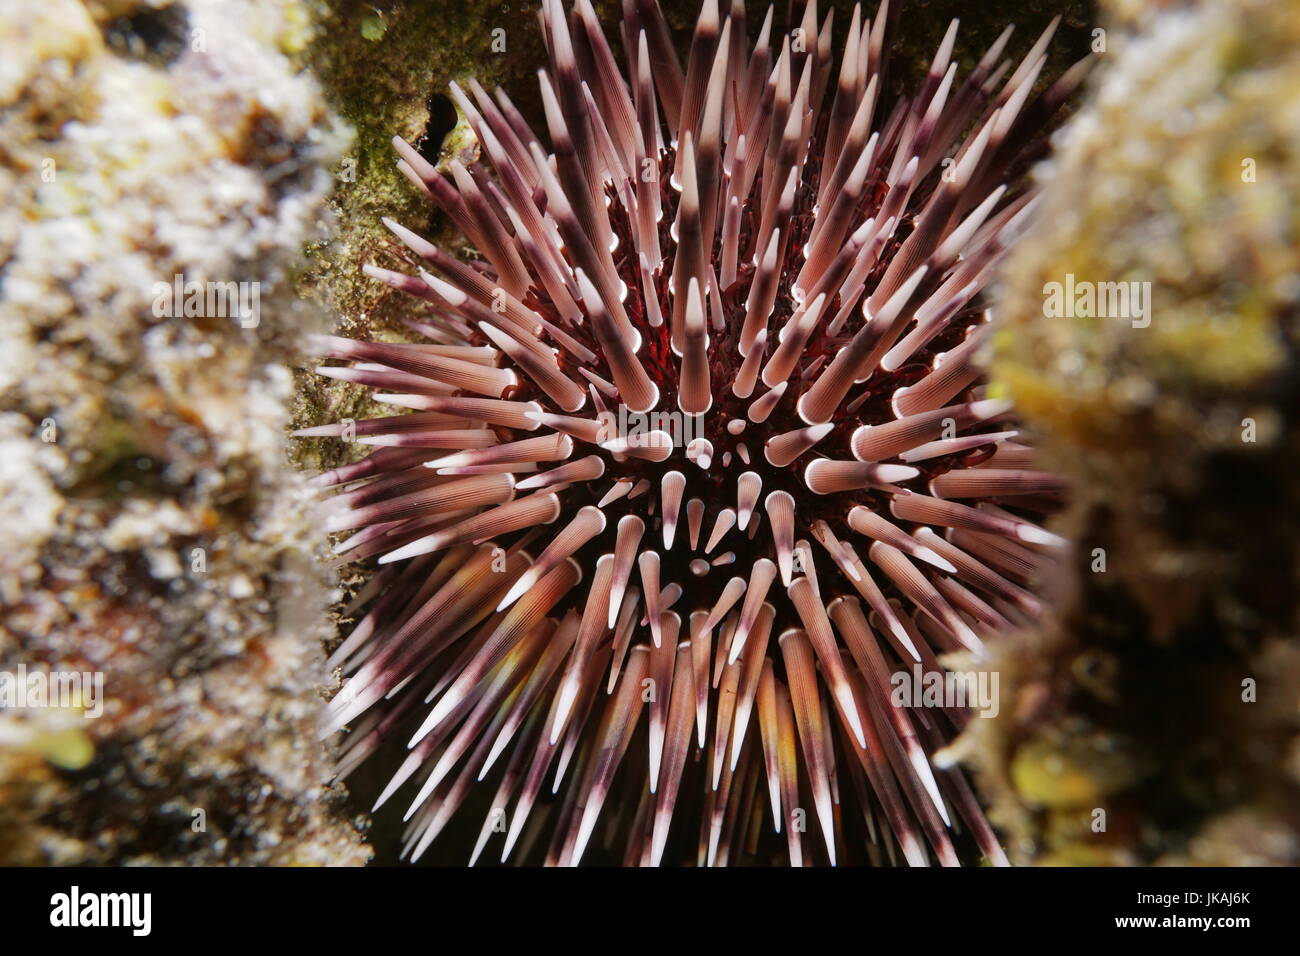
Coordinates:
708 240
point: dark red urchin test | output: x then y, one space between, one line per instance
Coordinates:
698 458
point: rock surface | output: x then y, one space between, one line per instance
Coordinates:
154 531
1164 692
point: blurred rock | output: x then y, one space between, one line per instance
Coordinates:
154 532
1165 691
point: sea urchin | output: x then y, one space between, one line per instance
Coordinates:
712 304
